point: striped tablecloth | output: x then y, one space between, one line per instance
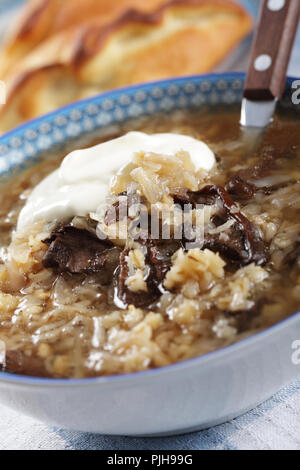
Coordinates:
273 425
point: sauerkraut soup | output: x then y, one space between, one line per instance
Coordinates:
153 247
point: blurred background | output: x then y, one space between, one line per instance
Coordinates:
53 52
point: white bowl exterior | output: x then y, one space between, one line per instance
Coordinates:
195 395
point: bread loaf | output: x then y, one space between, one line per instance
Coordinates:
75 55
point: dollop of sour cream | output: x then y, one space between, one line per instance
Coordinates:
82 182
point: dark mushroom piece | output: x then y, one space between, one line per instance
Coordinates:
78 251
244 244
241 184
17 362
158 262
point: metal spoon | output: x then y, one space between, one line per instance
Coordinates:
270 55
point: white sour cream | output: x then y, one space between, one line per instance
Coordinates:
81 183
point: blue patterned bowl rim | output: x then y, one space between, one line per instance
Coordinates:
181 93
30 140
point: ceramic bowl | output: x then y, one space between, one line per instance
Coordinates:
188 396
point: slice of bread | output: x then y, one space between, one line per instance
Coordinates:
179 37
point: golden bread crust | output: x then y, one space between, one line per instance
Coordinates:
42 19
180 37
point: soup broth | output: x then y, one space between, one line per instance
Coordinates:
157 303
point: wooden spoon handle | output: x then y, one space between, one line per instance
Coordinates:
271 49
